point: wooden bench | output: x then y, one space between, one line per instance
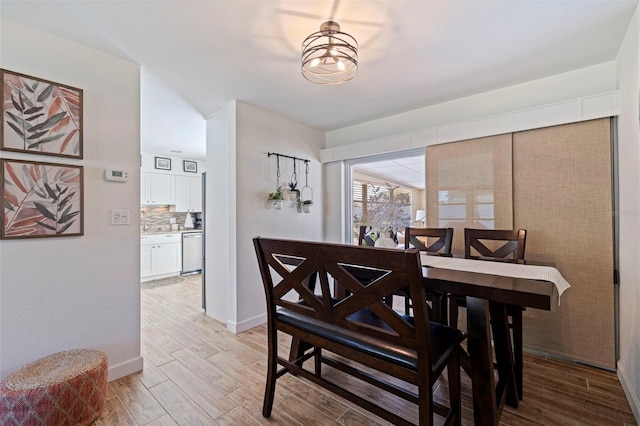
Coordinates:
365 332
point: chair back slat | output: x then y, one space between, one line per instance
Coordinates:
392 270
367 235
442 244
508 244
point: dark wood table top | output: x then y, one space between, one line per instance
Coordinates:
495 288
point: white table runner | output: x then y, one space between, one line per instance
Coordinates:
515 270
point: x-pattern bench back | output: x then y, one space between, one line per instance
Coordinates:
390 270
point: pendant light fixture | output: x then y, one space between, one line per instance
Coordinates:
329 56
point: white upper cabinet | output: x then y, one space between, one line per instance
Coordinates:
188 194
156 188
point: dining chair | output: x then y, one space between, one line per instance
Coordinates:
504 246
367 235
432 241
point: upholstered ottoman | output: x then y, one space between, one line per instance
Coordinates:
66 388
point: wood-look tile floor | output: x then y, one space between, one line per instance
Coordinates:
198 373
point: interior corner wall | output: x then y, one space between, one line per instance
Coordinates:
218 214
334 205
259 132
78 292
629 213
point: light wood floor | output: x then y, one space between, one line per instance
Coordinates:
198 373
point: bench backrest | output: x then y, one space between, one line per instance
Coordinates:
286 266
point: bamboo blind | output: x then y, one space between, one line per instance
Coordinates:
469 185
556 183
563 198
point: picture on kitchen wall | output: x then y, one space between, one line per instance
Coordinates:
40 116
163 163
190 166
41 199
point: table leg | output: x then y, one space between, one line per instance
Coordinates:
479 347
504 354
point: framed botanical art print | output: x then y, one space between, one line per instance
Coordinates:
40 116
190 166
41 199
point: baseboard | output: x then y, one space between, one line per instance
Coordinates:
125 368
239 327
632 395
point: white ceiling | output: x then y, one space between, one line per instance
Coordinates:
407 171
412 53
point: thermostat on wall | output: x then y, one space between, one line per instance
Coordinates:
116 175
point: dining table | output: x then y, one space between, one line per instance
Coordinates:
488 293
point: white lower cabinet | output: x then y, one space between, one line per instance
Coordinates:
160 256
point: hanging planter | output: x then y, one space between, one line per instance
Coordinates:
276 198
306 193
293 193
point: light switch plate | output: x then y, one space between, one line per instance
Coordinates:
120 217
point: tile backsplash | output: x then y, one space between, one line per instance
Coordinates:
158 218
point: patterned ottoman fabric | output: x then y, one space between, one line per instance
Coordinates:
66 388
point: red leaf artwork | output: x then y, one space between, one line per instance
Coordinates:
40 116
45 200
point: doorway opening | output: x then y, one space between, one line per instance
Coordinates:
385 191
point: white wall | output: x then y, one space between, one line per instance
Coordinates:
219 211
334 203
252 134
168 122
629 213
149 164
571 85
78 292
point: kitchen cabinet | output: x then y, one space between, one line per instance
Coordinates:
160 256
157 188
188 194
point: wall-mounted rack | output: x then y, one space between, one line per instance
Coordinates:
269 154
300 198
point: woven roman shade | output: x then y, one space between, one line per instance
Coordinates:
555 182
563 198
469 185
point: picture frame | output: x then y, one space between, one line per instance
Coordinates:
41 199
190 166
40 116
163 163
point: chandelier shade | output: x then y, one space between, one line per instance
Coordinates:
329 56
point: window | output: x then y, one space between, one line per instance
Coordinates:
383 207
470 185
453 206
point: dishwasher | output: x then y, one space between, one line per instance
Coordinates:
191 253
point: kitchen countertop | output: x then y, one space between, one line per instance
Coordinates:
157 232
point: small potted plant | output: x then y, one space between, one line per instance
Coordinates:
306 206
277 198
293 193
